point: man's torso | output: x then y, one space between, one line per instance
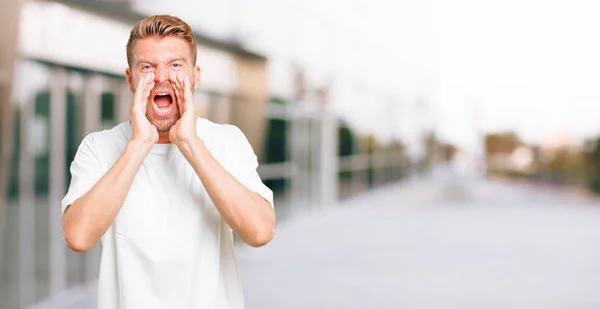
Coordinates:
168 246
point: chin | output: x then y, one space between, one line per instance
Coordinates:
161 110
163 124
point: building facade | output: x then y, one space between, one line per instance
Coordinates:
63 78
69 63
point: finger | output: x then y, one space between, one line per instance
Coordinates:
181 86
181 90
150 82
178 96
139 89
180 103
139 93
148 86
190 96
147 89
188 90
173 82
142 87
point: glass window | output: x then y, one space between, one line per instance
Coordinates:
107 110
25 270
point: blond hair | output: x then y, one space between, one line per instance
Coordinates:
161 26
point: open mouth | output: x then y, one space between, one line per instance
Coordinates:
163 102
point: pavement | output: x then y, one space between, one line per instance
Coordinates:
446 242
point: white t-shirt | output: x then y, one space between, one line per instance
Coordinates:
168 246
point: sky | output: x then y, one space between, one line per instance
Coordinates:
529 66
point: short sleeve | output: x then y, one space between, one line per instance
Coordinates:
86 170
243 164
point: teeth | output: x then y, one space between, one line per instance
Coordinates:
162 93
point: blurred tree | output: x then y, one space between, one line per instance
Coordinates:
592 163
567 164
346 144
449 151
501 143
499 148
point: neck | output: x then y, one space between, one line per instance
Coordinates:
163 138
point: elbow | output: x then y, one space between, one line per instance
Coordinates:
263 234
75 239
261 238
76 242
260 230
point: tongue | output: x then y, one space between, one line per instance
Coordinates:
162 101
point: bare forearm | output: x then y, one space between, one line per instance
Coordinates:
88 218
246 212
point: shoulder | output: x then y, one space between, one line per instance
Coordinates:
106 140
215 133
226 142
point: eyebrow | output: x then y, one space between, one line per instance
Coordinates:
140 61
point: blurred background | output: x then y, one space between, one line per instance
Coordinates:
422 154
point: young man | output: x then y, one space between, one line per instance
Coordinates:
164 191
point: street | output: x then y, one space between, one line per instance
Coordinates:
446 242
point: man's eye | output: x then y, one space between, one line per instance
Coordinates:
176 65
146 67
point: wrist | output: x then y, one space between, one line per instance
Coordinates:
191 148
138 147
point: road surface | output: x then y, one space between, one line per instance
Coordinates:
445 241
449 242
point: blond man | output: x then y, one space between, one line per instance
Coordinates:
165 191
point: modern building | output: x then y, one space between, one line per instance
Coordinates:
62 77
69 81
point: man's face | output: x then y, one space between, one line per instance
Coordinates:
164 57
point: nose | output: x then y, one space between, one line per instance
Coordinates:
161 74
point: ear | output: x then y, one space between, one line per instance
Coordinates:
196 77
129 78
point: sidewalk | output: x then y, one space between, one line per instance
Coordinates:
573 191
324 257
438 243
85 296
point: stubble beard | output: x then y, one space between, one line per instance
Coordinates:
162 124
